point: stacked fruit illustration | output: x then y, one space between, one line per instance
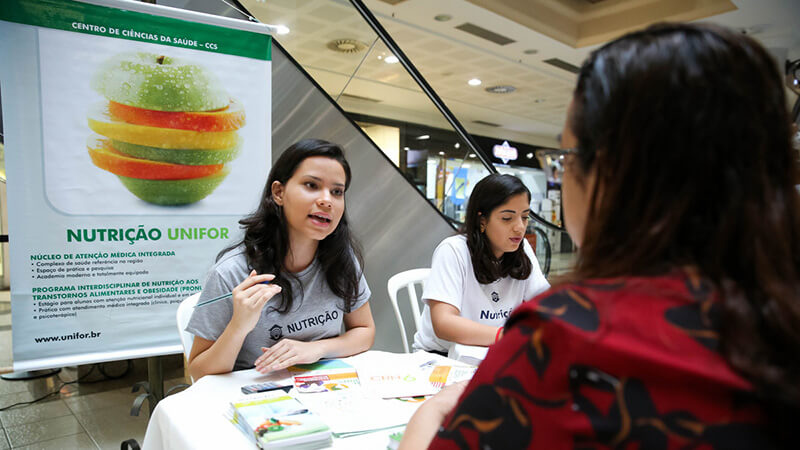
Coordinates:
167 130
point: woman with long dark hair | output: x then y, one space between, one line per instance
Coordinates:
478 277
298 241
680 325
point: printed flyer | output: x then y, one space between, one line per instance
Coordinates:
135 141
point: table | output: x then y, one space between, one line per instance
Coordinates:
195 418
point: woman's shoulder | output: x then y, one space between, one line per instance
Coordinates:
457 243
676 300
233 260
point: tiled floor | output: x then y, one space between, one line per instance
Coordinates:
91 414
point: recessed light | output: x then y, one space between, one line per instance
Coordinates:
391 59
531 51
457 145
472 155
346 45
441 153
406 148
423 137
474 82
282 29
442 17
502 89
529 155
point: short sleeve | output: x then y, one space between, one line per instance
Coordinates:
363 291
446 280
536 282
210 321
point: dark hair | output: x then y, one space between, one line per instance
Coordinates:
687 130
488 194
266 237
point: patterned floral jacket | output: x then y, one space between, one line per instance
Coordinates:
614 363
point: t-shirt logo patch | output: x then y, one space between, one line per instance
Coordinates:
275 332
495 297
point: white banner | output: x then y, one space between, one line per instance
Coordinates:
134 143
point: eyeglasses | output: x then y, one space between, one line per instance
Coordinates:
552 162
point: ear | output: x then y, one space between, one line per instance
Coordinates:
277 192
481 222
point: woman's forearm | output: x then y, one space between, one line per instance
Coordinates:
351 342
461 330
421 428
221 356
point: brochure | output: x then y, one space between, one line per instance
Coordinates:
274 421
324 376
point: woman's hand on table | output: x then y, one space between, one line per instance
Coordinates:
288 352
249 298
447 399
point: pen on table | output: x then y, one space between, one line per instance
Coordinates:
427 364
295 412
221 297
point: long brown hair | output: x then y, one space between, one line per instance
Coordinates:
687 129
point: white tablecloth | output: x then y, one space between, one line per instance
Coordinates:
195 418
468 354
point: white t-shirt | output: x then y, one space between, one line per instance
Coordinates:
452 280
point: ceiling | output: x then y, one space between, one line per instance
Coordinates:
501 46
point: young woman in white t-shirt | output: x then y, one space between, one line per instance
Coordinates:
478 277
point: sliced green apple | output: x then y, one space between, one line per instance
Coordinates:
109 159
174 192
190 157
160 82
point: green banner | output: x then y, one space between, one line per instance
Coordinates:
103 21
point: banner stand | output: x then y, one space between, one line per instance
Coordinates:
29 374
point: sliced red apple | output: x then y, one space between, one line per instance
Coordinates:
229 118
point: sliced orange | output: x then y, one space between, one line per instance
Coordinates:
229 118
101 122
107 158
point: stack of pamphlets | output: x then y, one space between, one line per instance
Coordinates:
275 420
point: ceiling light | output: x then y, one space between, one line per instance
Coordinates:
423 137
441 153
442 17
474 82
472 155
457 145
406 148
529 155
391 59
531 51
502 89
282 29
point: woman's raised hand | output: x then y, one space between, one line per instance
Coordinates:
249 297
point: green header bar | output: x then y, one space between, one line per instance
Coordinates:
135 26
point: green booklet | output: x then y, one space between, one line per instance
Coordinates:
280 421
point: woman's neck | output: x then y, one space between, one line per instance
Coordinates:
301 253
